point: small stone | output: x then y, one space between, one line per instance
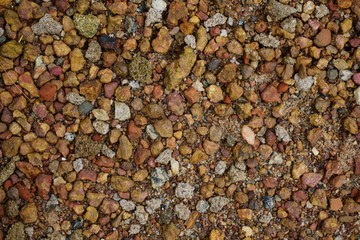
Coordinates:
218 203
217 19
184 190
303 84
140 69
270 94
158 178
182 211
141 215
152 205
61 49
299 169
93 53
267 40
11 49
350 124
47 25
78 165
10 147
28 213
357 96
153 16
269 202
340 64
202 206
17 230
175 103
77 60
311 179
179 69
100 114
345 75
282 134
134 229
220 167
164 128
176 11
321 11
330 225
75 98
279 11
122 111
214 93
107 42
159 5
216 234
87 25
276 158
319 198
162 42
121 183
323 38
127 205
101 127
91 214
47 91
335 204
165 157
170 232
85 108
245 214
190 40
248 134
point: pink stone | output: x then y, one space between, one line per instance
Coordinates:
356 78
110 88
56 71
43 183
311 179
87 174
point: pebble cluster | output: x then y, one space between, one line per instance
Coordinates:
179 119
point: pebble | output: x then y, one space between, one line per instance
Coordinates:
141 215
303 84
220 168
152 205
158 178
345 75
248 134
276 158
87 25
75 98
184 190
218 203
85 108
78 165
16 231
321 11
202 206
217 19
153 16
127 205
323 38
159 5
134 229
279 11
165 157
190 40
122 111
150 130
267 40
47 25
101 127
357 95
282 134
182 211
93 53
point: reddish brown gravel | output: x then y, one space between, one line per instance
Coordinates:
179 119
